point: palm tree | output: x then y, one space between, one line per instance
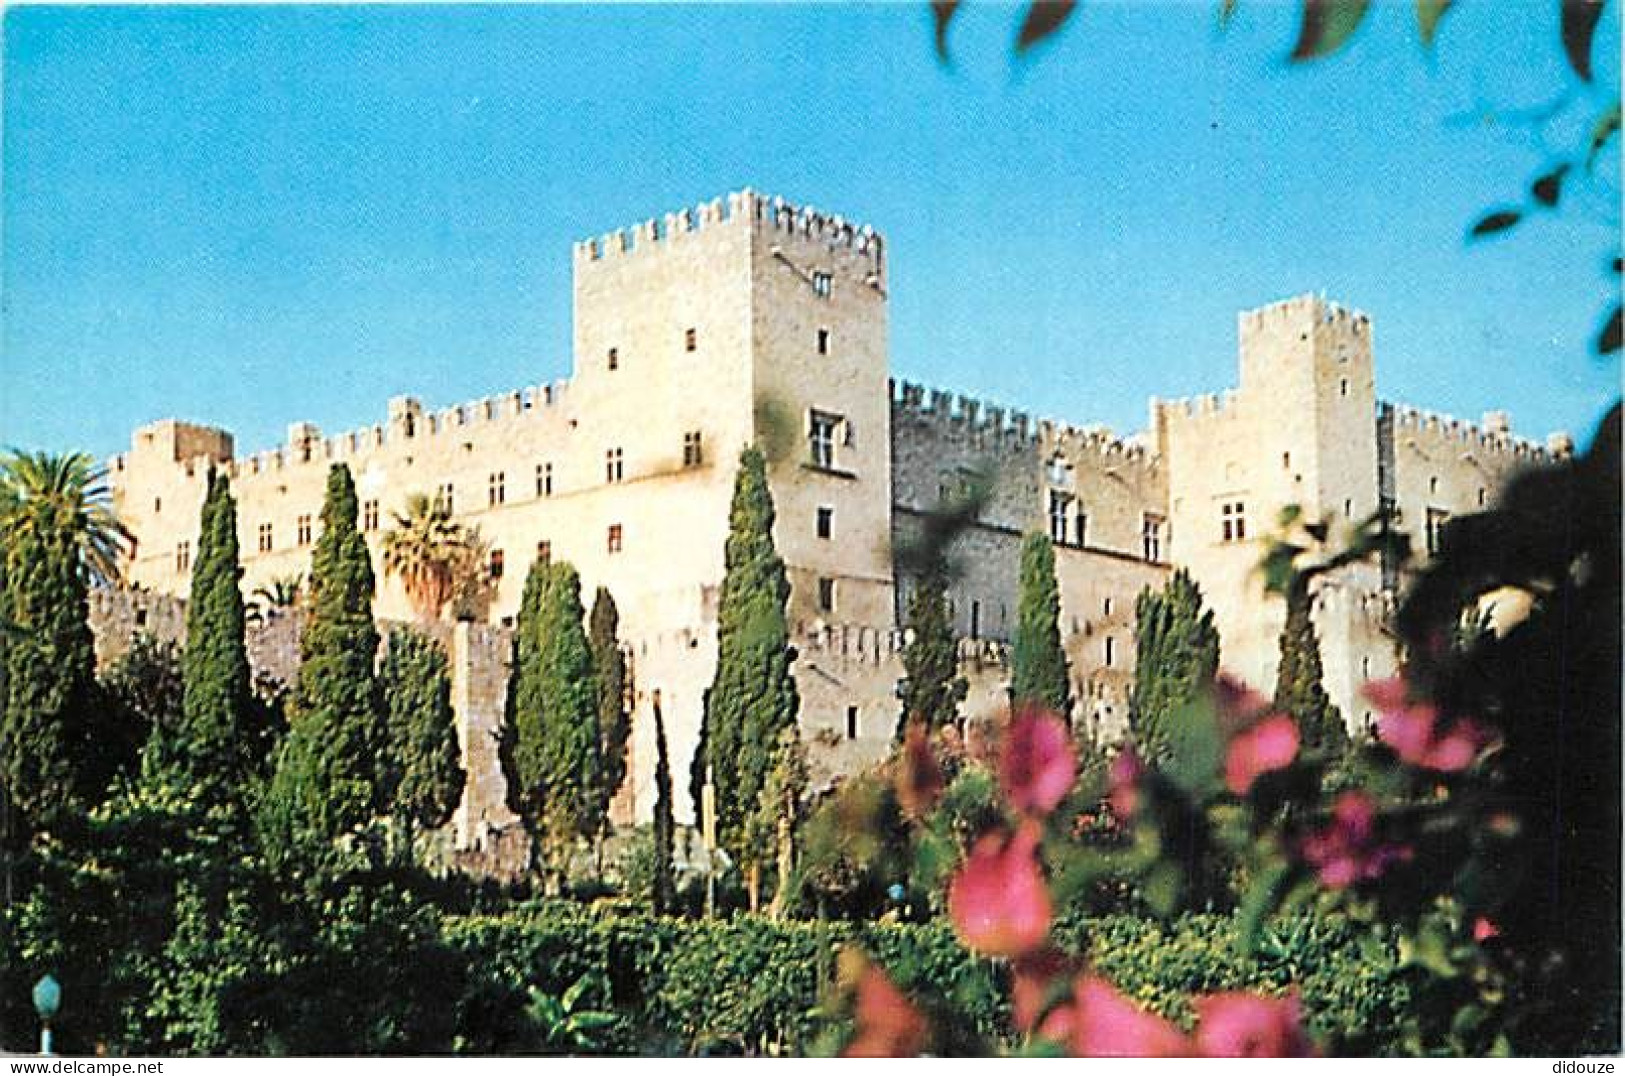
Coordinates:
283 592
38 489
429 552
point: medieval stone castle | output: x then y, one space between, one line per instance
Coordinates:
750 319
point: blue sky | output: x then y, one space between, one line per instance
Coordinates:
252 216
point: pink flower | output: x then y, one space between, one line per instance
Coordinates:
1032 981
998 901
1271 744
886 1023
1247 1025
1484 929
1126 773
1037 764
1238 704
1416 733
918 778
1103 1023
1347 851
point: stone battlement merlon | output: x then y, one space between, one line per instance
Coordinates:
955 413
1196 408
1294 309
760 210
1494 433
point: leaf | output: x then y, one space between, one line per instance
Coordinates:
1044 17
1327 26
1498 221
1549 187
1579 24
1428 14
1608 339
1260 900
942 12
1606 127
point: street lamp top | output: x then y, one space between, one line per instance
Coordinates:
47 997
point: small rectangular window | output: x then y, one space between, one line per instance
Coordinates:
1233 518
826 522
544 552
544 480
369 515
157 505
823 283
826 595
1060 515
613 540
443 499
823 341
183 557
497 488
692 454
302 530
1151 537
613 470
496 564
1436 519
691 340
821 439
614 359
265 538
1111 650
851 722
975 619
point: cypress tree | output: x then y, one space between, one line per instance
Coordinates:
665 884
210 750
1298 687
932 688
50 672
421 779
1176 658
552 751
614 720
520 747
753 695
1038 672
326 776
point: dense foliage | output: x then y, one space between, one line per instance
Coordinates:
753 696
932 688
421 768
1176 659
614 716
1299 689
326 779
1037 661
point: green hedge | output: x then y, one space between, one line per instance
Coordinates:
749 985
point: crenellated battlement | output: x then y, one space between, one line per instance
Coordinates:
1095 442
1194 409
1298 309
1493 434
962 415
767 212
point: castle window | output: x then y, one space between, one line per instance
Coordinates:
302 530
1436 519
1348 508
265 538
823 341
851 722
691 340
544 480
826 595
496 564
544 552
1059 473
1286 461
1106 607
692 455
369 515
1233 517
614 361
1151 536
1083 527
822 283
1433 484
1343 386
975 619
157 505
613 470
1111 651
1060 514
443 498
183 557
826 522
821 439
1481 496
613 539
497 488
